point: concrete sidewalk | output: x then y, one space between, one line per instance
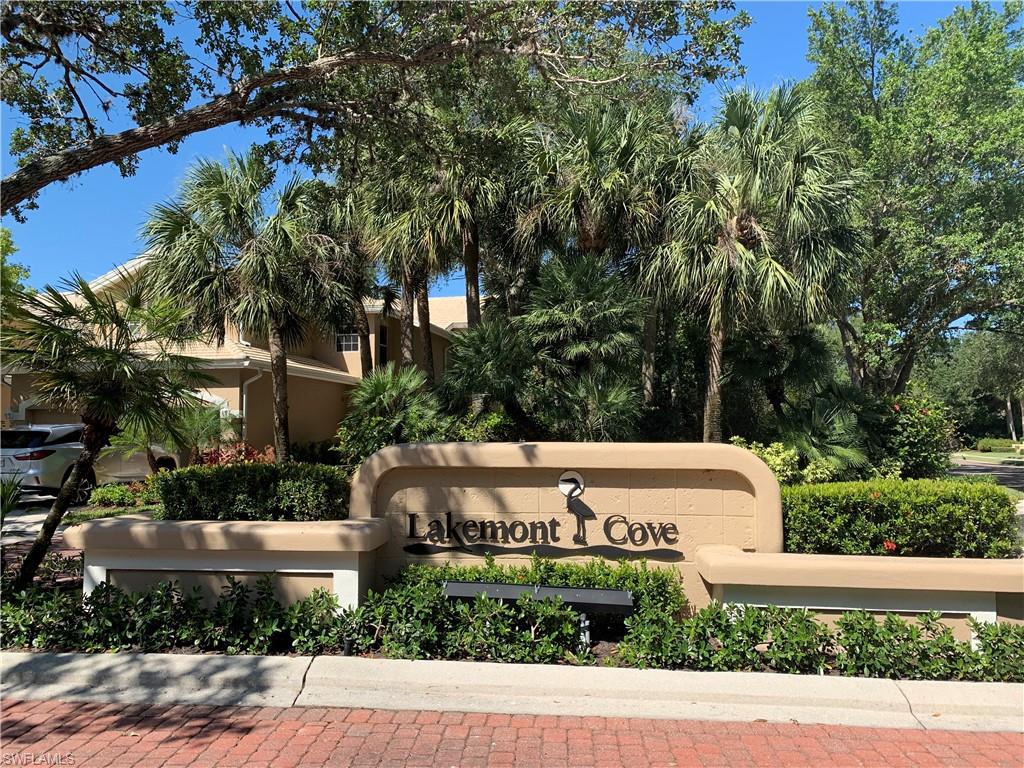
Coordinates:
331 681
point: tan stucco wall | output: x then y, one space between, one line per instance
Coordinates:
314 409
288 587
685 494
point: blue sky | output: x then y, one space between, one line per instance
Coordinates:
92 223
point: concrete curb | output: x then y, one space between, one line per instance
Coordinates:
332 681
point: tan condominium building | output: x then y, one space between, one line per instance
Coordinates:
321 372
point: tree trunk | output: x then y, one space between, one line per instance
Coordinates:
526 425
362 323
713 394
427 342
471 264
405 317
851 361
279 383
1010 424
650 342
1020 402
151 460
93 439
903 378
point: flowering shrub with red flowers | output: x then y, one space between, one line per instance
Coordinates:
919 434
236 453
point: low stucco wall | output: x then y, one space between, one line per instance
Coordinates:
135 553
987 590
713 512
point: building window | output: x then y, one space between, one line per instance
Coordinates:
382 345
347 341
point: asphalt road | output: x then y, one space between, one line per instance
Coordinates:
1010 476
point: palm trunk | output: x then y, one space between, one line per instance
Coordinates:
279 383
151 460
650 342
1010 425
362 323
427 342
851 361
713 394
471 264
526 425
405 317
93 439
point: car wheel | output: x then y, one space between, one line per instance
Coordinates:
166 464
85 486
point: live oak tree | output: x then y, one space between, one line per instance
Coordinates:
113 359
99 82
938 126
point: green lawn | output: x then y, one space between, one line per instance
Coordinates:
992 457
85 514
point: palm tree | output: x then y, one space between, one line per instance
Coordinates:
342 219
110 358
197 429
763 229
216 248
416 245
600 180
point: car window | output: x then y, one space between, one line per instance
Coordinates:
22 438
69 437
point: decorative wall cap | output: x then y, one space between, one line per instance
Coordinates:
725 564
138 532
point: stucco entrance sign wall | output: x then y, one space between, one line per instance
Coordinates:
659 501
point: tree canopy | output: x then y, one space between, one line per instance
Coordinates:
99 82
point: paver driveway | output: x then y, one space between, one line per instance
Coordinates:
143 736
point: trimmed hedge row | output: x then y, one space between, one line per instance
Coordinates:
413 619
287 491
989 444
924 518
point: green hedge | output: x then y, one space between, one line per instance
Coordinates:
412 619
287 491
989 444
925 518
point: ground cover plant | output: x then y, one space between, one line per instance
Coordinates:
412 619
253 491
928 518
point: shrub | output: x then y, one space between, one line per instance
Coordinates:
236 453
112 495
919 433
412 619
486 427
929 518
989 444
287 491
392 405
143 492
317 452
783 461
900 649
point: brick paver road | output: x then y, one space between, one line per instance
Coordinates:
49 732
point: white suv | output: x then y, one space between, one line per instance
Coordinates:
42 456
